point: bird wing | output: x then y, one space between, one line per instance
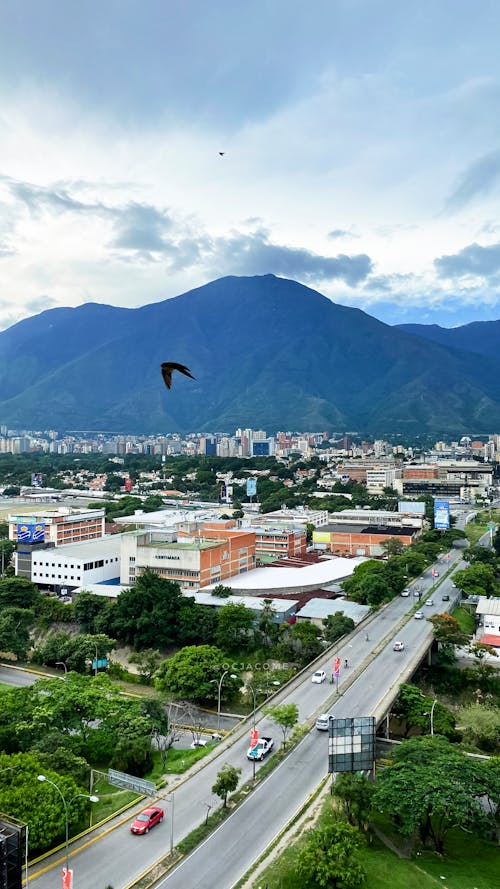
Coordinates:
166 372
168 367
183 369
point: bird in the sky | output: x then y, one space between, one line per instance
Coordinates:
168 367
222 153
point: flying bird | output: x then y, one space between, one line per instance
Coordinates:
168 367
222 153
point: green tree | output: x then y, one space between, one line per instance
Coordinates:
14 631
146 615
37 803
481 554
227 782
86 608
285 716
193 674
221 591
431 787
234 631
393 546
18 592
355 793
476 580
267 623
147 662
329 858
480 725
337 625
413 709
447 630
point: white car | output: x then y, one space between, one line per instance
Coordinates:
430 602
405 593
318 677
323 722
399 646
419 615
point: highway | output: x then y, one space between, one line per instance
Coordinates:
117 858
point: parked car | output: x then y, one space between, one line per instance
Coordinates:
419 615
319 676
147 819
199 743
445 598
322 722
399 646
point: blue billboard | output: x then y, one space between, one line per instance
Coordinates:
251 487
441 515
28 532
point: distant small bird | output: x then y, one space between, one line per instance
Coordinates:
222 153
168 367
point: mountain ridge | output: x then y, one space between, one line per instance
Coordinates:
265 351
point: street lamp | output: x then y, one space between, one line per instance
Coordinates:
62 664
253 693
93 799
219 687
431 714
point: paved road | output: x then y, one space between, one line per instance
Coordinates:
118 858
17 677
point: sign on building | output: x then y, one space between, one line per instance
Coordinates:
351 744
29 532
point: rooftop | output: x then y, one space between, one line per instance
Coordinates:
308 577
488 606
88 549
322 608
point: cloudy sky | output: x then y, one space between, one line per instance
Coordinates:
361 144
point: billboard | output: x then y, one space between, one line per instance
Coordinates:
251 487
321 537
30 532
351 744
12 848
441 515
411 506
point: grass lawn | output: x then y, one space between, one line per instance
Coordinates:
465 619
179 761
469 863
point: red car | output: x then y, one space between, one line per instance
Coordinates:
147 819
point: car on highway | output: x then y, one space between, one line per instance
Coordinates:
322 722
318 677
430 602
405 593
445 598
419 615
399 646
146 820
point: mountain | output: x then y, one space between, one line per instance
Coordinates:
266 352
482 337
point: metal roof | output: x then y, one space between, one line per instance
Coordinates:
488 606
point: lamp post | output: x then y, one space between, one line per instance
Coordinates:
62 664
432 715
66 804
253 693
219 687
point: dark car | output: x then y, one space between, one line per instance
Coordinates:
445 598
147 819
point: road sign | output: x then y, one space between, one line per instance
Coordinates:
130 782
491 526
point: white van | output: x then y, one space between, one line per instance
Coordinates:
322 722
